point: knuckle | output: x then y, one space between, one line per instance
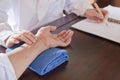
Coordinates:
25 33
28 32
18 36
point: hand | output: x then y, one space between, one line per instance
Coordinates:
92 14
21 35
53 40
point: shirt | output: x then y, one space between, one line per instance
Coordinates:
27 14
6 69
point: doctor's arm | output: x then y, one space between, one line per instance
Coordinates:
5 29
84 8
8 37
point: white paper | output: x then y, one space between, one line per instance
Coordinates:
111 32
114 12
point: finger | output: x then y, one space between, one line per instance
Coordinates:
62 35
67 32
30 36
62 32
46 29
52 28
68 41
33 35
25 39
15 41
96 14
66 36
96 19
11 41
23 36
105 13
49 28
69 35
99 20
100 16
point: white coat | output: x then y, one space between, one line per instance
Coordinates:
6 69
26 14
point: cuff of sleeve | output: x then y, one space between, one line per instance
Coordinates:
3 36
80 11
8 67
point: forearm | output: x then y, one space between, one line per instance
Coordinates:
24 55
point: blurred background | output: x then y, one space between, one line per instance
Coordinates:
103 3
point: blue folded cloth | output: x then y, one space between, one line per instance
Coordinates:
47 60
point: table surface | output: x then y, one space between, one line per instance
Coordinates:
91 57
104 3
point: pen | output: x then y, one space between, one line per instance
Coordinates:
95 5
114 20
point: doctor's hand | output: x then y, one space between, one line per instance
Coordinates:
93 15
62 39
21 35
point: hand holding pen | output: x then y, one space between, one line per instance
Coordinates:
93 15
97 14
96 7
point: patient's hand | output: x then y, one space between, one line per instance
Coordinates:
53 40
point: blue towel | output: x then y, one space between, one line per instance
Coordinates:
47 60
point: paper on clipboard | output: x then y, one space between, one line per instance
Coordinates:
114 12
111 32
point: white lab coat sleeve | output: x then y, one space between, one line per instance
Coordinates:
6 69
77 6
5 32
5 29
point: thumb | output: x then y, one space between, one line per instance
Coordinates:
47 28
10 42
16 41
51 28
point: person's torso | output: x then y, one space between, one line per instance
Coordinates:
27 13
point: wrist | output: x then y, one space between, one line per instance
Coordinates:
43 43
43 40
36 48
